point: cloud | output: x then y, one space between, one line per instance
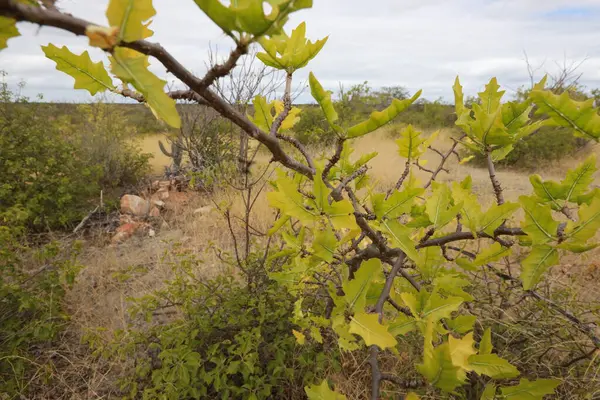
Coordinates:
412 43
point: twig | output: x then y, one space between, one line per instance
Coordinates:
494 179
85 220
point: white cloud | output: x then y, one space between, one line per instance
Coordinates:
413 43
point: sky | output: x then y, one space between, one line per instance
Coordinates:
418 44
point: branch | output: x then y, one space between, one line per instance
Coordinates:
40 16
376 375
441 167
400 181
287 105
458 236
494 179
188 95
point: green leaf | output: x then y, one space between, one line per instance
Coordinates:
491 96
458 97
402 324
322 392
131 17
581 116
291 203
398 204
575 184
471 208
412 396
87 74
492 253
290 53
323 97
528 390
355 291
400 235
132 67
538 222
461 324
492 366
368 327
489 393
429 262
536 264
8 29
437 366
438 206
325 244
438 307
485 345
495 216
249 16
410 144
588 224
380 118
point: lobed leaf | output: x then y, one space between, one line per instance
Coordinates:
368 327
8 30
131 17
536 264
322 392
530 390
380 118
87 74
355 291
581 116
492 366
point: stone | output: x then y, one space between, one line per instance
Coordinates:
151 233
125 232
155 212
134 205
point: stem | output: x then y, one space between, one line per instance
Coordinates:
494 179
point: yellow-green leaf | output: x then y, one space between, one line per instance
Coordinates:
581 116
538 222
410 144
380 118
300 338
492 253
87 74
132 68
438 206
461 350
495 216
131 17
323 97
530 390
322 392
8 29
355 291
536 264
485 345
368 327
400 235
492 366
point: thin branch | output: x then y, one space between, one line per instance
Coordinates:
494 179
287 106
401 180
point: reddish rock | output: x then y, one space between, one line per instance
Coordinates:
135 205
155 212
124 232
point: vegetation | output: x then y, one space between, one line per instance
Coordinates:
423 274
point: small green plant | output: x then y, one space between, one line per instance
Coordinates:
229 340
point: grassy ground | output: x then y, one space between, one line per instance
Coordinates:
113 274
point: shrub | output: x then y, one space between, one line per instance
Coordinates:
230 341
312 128
46 179
108 141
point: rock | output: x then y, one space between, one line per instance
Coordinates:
151 233
155 212
164 185
124 232
158 203
155 185
203 210
135 205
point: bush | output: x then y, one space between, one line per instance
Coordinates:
312 128
231 341
53 166
108 141
46 180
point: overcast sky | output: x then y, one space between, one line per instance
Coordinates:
419 44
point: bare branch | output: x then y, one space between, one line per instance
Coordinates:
494 179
